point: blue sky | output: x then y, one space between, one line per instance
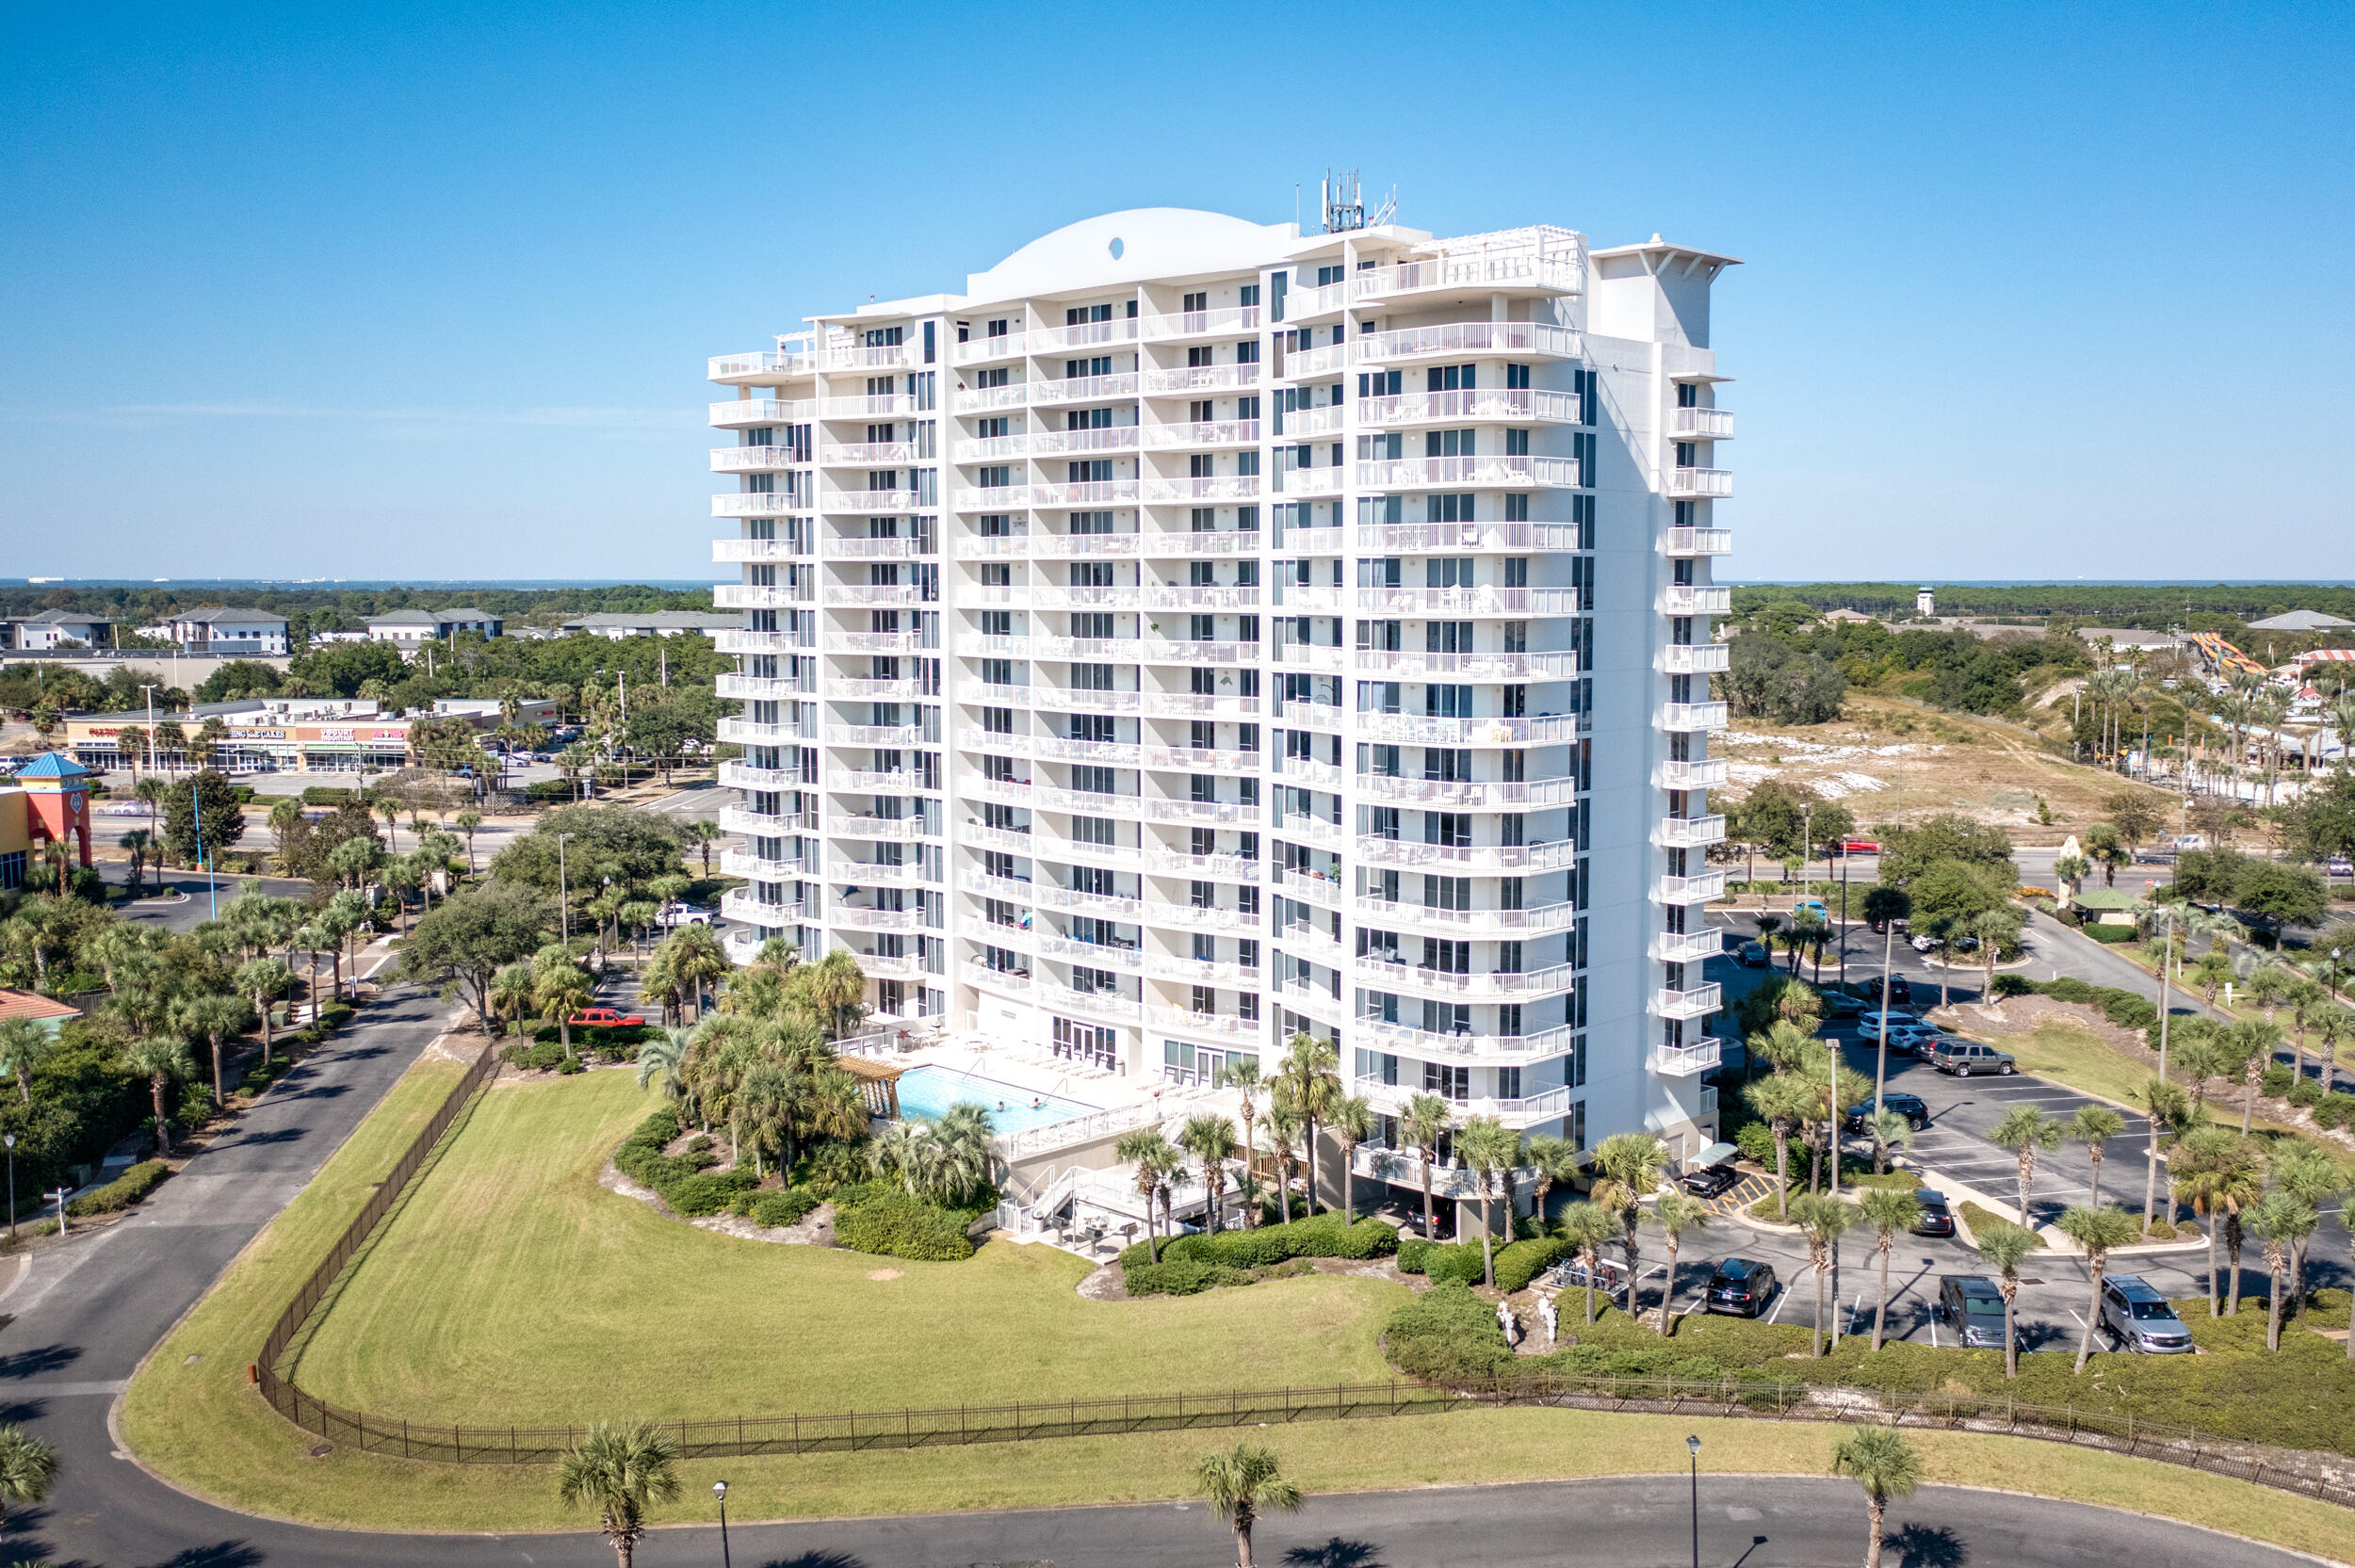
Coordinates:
426 292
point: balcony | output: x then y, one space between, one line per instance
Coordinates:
754 460
1330 360
1691 718
1515 260
758 596
1683 1061
993 450
739 550
888 736
882 966
1050 547
744 732
866 454
1476 472
1696 659
1412 665
1476 923
1012 982
1688 946
1084 389
1699 484
736 819
862 873
1229 487
1193 378
1693 599
1372 971
867 501
852 917
739 904
854 690
1081 335
760 503
1514 602
1225 1025
1549 730
877 405
841 641
1691 890
1109 438
1697 541
1302 423
1541 1107
1417 539
1697 1002
1093 492
988 399
761 687
996 498
1700 425
858 547
763 365
866 595
881 356
743 775
738 413
1700 773
1466 337
868 780
1475 859
736 639
1690 832
740 862
984 350
1423 1042
1177 862
851 824
1309 481
1479 795
1516 405
1227 320
1210 432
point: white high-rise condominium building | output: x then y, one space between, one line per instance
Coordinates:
1195 632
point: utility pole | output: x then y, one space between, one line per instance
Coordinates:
149 688
563 902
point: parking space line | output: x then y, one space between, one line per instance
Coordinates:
1782 1294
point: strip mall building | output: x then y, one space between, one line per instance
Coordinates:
281 734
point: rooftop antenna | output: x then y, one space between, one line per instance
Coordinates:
1345 204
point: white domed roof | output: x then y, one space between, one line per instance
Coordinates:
1126 246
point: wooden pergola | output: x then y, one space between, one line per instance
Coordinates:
878 1085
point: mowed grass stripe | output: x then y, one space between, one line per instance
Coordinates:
512 1287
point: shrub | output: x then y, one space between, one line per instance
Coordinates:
680 1180
1446 1334
1323 1236
708 1193
788 1207
894 1223
2334 1110
2305 1091
1523 1261
325 795
532 1057
121 1193
1756 1141
2068 989
1184 1277
2275 1080
2111 935
1979 1218
2013 985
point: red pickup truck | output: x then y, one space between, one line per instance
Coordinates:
604 1018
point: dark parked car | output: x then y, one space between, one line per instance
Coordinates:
1974 1308
1751 955
1936 1218
2139 1319
1710 1180
1740 1286
1964 1057
1900 990
1911 1106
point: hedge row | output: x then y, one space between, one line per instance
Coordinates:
871 1218
121 1193
788 1207
1322 1237
1517 1263
2122 1008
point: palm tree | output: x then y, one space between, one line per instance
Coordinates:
1629 1165
1241 1074
1888 1130
1822 1218
510 995
2027 1131
2252 1040
1555 1161
700 963
1879 1460
2096 1230
2219 1175
702 834
216 1017
2068 871
1487 1146
29 1467
159 1059
1211 1138
2314 1177
1149 1150
1677 1213
468 822
1891 1212
1351 1122
621 1472
2094 1125
1586 1227
2283 1224
2003 1246
24 1044
2209 972
2166 1108
1284 1124
1311 1073
136 844
1996 928
1783 1101
1240 1485
1427 1120
661 1061
559 990
838 991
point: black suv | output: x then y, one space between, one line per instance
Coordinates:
1911 1106
1936 1219
1741 1286
2139 1319
1710 1180
1974 1308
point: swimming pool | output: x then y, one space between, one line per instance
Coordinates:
927 1092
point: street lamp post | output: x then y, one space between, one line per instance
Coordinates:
9 1138
719 1490
564 902
1692 1447
59 1197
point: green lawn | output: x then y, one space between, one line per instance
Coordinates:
512 1287
2073 1056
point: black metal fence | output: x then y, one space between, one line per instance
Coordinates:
2311 1474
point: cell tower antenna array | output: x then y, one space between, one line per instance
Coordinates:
1345 207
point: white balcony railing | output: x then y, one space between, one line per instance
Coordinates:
1468 405
1479 600
1692 890
1696 659
738 550
765 364
1229 487
1466 337
1690 832
1703 484
1084 389
1689 718
1514 260
983 399
1683 1061
760 503
1688 946
869 500
1416 729
1107 438
1413 665
872 405
1211 432
1700 425
1697 541
1226 318
737 414
1194 378
753 460
1700 773
865 454
1691 599
1697 1002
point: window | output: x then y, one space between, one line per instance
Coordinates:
1450 377
1449 829
1516 444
